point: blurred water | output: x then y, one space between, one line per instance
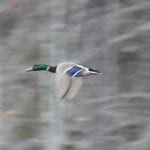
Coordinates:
111 112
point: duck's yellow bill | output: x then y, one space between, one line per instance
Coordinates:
29 69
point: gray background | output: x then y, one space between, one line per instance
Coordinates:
112 111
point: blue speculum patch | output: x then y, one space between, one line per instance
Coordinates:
73 70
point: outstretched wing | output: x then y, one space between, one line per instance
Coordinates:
74 88
63 85
67 85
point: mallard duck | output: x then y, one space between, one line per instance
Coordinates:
68 77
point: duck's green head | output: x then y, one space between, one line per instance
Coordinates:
38 67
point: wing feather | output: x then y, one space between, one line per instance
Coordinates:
75 87
63 85
67 86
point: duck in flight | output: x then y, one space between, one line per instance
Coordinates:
68 77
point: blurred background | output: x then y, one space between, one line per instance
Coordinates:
112 111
